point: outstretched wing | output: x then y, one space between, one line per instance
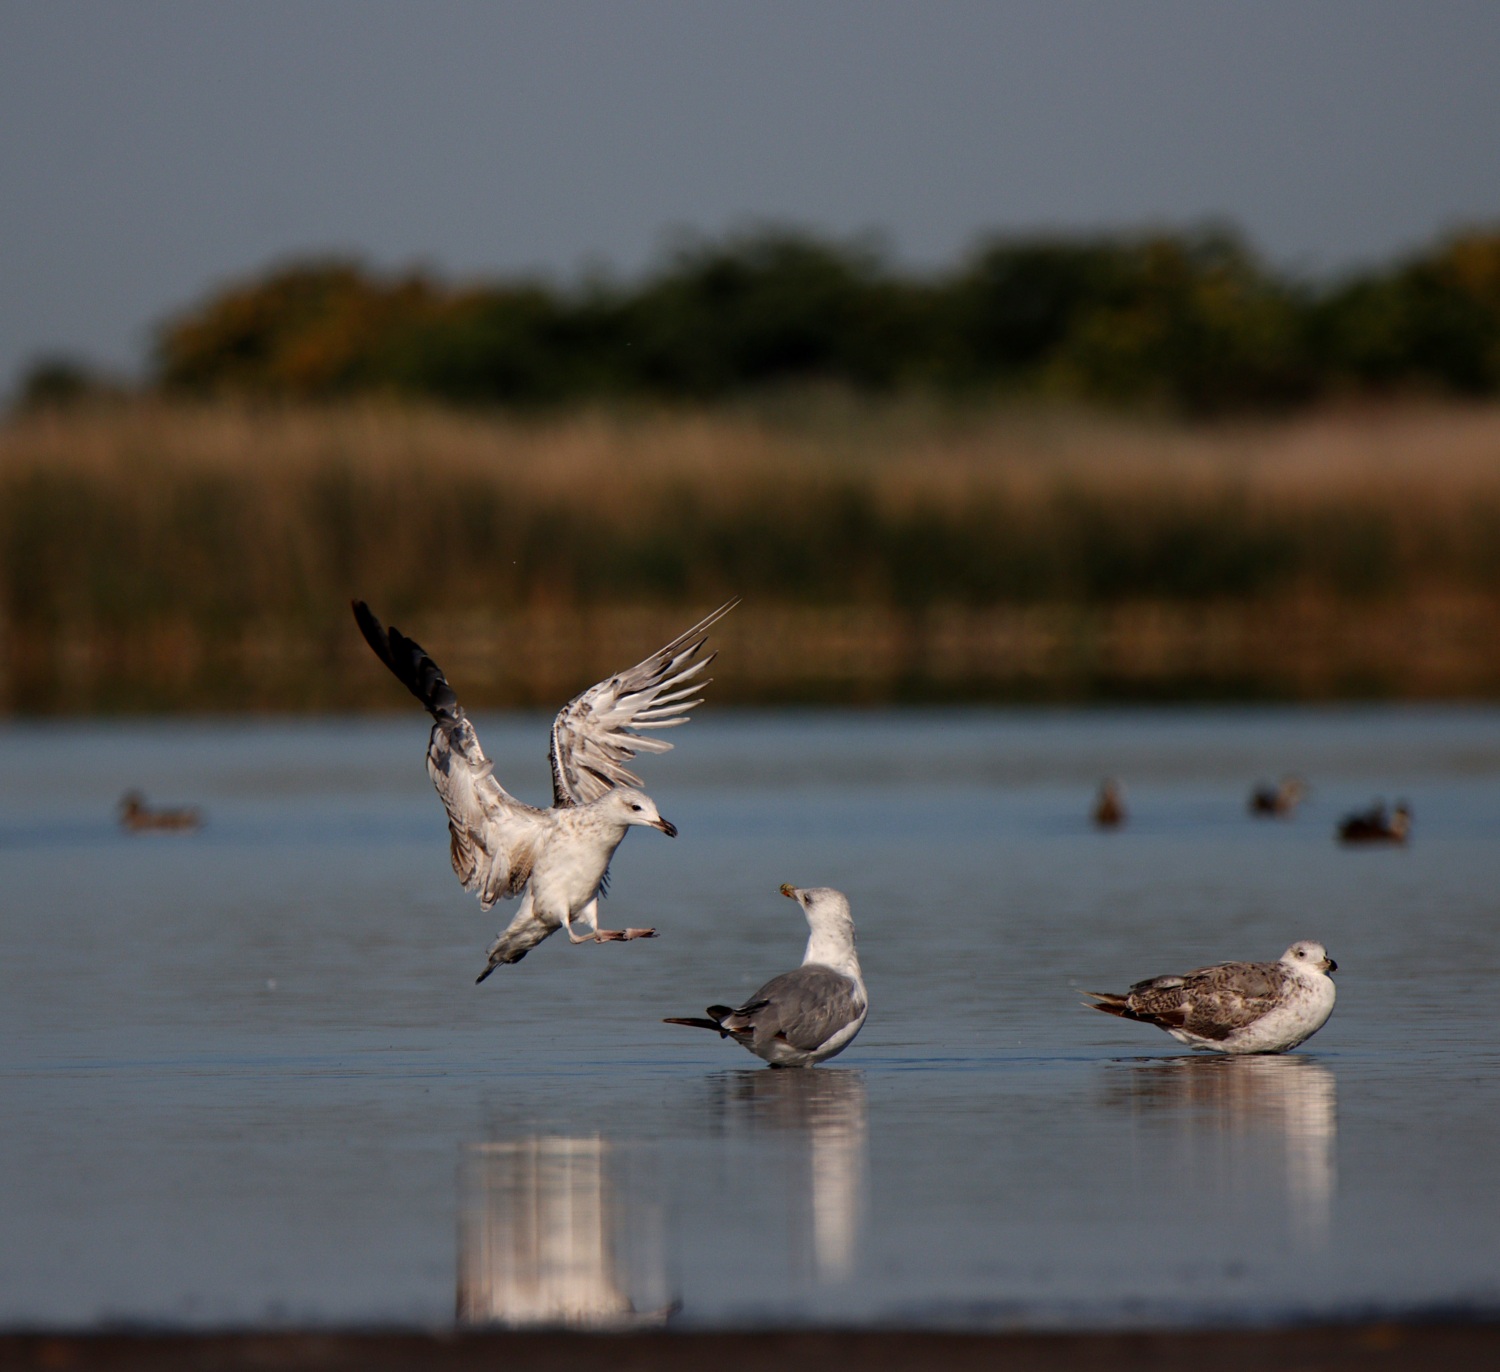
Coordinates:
596 734
493 836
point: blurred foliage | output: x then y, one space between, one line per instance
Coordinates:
1192 322
1433 322
65 383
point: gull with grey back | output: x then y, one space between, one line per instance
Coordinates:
1236 1007
557 859
809 1015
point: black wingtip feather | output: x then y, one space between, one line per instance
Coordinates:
408 662
373 631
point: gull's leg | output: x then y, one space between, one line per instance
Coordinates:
610 935
622 935
588 916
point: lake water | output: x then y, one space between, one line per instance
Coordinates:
246 1077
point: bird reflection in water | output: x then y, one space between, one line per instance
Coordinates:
824 1113
1227 1108
552 1232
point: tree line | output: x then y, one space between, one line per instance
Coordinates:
1192 322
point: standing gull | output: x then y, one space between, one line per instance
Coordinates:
1236 1007
813 1013
556 860
1109 807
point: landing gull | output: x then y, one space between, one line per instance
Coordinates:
1236 1007
811 1014
557 859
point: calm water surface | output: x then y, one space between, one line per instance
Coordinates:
245 1075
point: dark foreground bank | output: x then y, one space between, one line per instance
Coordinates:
1382 1347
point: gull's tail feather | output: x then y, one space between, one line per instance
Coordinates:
409 664
1120 1006
1111 1004
718 1014
501 962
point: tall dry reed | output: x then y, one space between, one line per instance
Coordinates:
216 548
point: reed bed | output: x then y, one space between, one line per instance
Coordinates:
158 557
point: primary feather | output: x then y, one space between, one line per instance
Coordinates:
596 733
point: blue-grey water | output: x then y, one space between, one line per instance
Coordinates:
246 1077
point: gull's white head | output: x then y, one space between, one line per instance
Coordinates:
825 908
831 937
630 806
1308 955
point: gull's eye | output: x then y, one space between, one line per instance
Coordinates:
636 808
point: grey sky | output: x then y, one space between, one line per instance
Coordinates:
149 150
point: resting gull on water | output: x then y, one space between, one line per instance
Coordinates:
556 860
809 1015
1109 807
1279 801
1375 826
1236 1007
136 817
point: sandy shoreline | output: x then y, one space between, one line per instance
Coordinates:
1393 1346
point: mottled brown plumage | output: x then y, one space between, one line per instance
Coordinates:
1235 1007
1210 1003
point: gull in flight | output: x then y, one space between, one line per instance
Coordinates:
809 1015
1236 1007
556 860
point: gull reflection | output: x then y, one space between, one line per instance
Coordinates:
828 1108
547 1235
1228 1107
